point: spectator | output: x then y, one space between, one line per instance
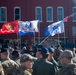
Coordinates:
16 56
57 52
24 50
10 67
51 58
26 61
68 67
10 52
43 66
38 52
31 51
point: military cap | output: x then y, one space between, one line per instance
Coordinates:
15 53
26 57
67 54
2 50
51 50
44 50
39 47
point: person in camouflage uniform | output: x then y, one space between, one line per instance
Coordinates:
26 61
65 60
10 67
1 69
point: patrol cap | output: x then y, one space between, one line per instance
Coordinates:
67 54
44 50
51 50
39 47
2 50
26 57
15 53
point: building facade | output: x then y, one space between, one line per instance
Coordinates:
47 12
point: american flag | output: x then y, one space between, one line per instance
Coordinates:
67 17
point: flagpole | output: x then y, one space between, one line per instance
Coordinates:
58 38
20 43
39 32
17 40
34 38
64 36
44 40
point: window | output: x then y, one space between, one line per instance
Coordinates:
39 13
17 13
3 14
74 31
49 14
60 13
74 17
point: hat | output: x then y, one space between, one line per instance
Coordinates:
15 53
44 50
39 47
3 50
51 50
26 57
67 54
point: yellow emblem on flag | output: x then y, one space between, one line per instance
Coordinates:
9 27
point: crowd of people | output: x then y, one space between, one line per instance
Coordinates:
38 60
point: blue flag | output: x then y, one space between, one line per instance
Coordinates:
55 28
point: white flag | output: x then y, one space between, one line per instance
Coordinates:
55 28
28 27
35 25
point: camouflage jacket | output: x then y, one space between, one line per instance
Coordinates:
69 69
23 71
1 69
10 67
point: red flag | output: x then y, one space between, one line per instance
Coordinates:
9 28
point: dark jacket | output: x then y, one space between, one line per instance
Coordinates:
43 67
69 69
54 63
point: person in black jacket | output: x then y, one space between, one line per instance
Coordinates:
43 66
